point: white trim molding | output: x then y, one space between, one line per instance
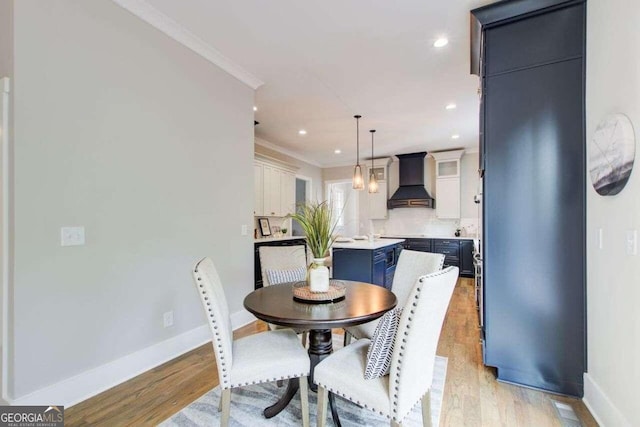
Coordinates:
241 318
274 147
177 32
5 89
87 384
600 406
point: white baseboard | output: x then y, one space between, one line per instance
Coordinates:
600 406
241 318
80 387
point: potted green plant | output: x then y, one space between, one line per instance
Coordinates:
318 226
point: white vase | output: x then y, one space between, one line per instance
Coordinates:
319 276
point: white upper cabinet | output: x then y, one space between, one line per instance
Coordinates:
448 198
448 168
275 189
272 191
378 201
448 183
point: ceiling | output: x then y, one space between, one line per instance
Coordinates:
324 61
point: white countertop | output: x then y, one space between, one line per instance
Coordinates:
277 239
365 244
425 236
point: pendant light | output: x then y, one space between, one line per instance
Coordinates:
373 182
358 181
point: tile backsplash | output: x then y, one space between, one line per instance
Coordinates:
419 221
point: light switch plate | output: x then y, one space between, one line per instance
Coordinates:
632 242
167 319
243 230
72 236
599 238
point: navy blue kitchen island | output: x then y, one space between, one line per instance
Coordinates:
364 261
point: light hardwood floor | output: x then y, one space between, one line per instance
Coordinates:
472 396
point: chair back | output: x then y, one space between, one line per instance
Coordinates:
416 340
280 258
216 309
411 265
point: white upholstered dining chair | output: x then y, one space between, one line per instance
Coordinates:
412 361
411 265
264 357
282 264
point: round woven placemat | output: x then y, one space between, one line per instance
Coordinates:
336 292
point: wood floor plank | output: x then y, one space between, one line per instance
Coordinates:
472 396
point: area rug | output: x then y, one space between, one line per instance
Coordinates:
247 404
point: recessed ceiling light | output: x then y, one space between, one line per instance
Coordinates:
302 132
455 136
451 106
441 42
255 108
337 151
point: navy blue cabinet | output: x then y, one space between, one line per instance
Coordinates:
466 258
371 266
420 245
533 151
457 253
379 268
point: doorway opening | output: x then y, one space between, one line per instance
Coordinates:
303 195
343 200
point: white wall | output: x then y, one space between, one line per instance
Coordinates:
123 131
613 286
6 71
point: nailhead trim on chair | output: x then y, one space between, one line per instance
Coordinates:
269 380
225 376
351 399
395 403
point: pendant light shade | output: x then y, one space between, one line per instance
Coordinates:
373 182
358 181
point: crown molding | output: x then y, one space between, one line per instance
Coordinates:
263 158
281 150
177 32
474 150
341 165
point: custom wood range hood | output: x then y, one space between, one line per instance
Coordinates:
411 193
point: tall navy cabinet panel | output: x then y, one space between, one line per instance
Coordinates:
534 195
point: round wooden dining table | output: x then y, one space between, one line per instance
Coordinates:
363 302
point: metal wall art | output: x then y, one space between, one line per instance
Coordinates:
612 152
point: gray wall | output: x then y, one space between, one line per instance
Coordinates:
613 284
6 70
119 129
6 38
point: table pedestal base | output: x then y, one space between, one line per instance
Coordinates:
292 388
320 346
